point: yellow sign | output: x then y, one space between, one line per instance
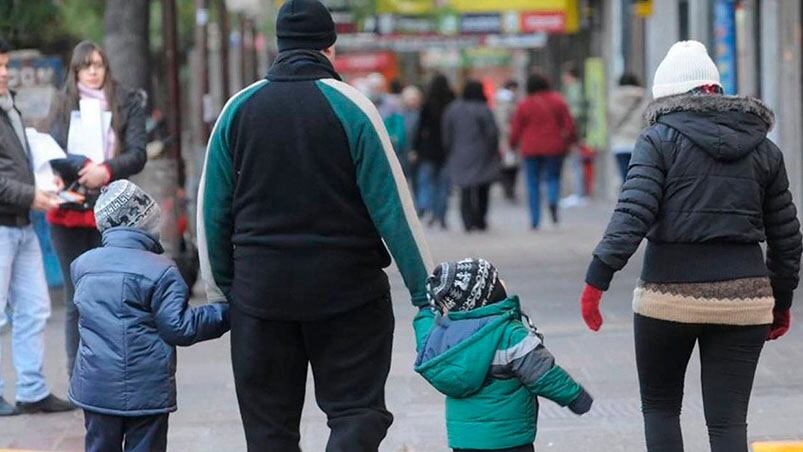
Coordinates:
412 7
569 8
643 8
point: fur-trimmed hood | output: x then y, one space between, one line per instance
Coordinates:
727 127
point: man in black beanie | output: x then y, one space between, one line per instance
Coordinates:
301 186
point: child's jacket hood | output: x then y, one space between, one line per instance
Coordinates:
459 351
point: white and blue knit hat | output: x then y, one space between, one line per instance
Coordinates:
123 203
464 285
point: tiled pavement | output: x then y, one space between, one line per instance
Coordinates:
546 269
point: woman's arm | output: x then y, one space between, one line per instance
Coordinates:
635 213
132 157
783 235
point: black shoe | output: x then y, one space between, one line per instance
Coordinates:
553 212
6 409
50 404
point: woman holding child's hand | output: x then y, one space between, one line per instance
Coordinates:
705 186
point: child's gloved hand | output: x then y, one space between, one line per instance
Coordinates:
781 320
589 307
582 404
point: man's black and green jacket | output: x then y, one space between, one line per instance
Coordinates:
300 188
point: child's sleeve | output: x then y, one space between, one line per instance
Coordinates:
422 324
535 367
177 322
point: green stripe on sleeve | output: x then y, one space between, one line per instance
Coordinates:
215 196
382 185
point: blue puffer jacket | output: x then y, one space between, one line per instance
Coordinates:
133 308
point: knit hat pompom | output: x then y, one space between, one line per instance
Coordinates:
305 24
685 67
123 203
464 285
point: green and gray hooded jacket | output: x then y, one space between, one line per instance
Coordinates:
491 367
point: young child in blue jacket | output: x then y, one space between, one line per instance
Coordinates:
133 309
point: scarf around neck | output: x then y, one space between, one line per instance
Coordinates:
7 105
86 92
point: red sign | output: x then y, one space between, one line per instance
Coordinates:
365 62
543 22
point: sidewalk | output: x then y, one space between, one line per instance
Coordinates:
546 269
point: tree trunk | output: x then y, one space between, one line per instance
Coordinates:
126 42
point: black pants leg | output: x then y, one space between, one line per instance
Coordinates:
146 433
466 210
729 358
481 212
270 377
663 350
70 243
350 356
106 433
103 433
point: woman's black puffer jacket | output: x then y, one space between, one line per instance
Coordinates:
705 186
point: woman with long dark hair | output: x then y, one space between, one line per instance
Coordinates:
543 130
72 226
706 187
432 188
471 137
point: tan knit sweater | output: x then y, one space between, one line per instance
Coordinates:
746 301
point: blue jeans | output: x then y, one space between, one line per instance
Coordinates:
24 289
106 433
433 190
535 167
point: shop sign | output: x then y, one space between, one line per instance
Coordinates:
34 78
486 58
481 24
725 40
595 94
364 62
543 22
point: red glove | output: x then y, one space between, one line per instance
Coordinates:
589 306
781 319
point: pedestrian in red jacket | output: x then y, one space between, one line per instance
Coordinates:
542 130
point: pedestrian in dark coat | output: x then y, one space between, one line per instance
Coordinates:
134 311
72 225
543 130
705 187
471 138
23 288
432 189
301 204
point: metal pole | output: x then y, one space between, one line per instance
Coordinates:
173 92
225 27
254 56
202 71
244 53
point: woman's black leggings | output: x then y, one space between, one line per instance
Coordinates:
728 357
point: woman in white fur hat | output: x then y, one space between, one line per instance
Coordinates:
705 187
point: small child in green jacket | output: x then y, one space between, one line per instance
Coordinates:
474 348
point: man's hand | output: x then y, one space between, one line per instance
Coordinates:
93 176
44 201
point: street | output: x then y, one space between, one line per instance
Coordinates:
546 269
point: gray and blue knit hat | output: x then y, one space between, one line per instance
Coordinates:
123 203
464 285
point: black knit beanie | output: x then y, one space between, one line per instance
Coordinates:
464 285
305 24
